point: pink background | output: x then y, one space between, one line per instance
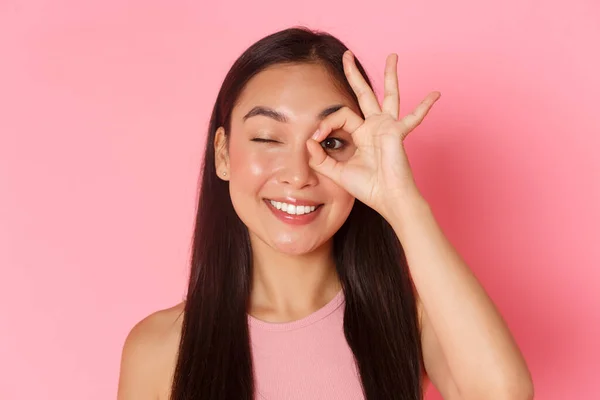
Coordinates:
103 112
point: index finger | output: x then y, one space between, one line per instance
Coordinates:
344 118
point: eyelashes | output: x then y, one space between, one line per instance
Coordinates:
261 140
329 143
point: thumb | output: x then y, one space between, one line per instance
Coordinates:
323 163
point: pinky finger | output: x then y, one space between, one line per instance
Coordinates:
413 119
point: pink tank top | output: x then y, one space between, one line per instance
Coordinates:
305 359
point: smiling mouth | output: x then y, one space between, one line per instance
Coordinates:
294 209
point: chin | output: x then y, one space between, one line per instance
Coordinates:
294 247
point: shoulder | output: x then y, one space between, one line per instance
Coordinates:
149 355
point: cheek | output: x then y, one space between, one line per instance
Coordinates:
343 201
249 170
243 160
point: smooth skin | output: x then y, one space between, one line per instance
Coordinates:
468 350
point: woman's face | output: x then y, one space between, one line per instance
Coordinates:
283 202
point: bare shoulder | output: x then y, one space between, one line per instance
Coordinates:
149 355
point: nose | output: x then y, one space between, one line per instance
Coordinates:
296 171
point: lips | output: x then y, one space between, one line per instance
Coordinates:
294 213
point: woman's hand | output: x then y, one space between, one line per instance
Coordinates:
378 174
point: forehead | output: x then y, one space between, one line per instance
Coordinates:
302 90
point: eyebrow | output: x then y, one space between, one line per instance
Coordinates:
280 117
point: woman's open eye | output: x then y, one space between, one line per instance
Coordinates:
332 143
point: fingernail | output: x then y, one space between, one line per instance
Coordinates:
316 134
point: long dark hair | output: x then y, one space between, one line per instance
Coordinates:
380 317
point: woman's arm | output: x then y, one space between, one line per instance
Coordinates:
468 350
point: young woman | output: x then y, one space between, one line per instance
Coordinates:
318 270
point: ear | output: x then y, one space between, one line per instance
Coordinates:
221 154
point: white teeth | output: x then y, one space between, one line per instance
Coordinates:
292 209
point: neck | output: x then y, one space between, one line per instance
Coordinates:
288 287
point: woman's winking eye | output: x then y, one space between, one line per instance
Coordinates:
263 140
